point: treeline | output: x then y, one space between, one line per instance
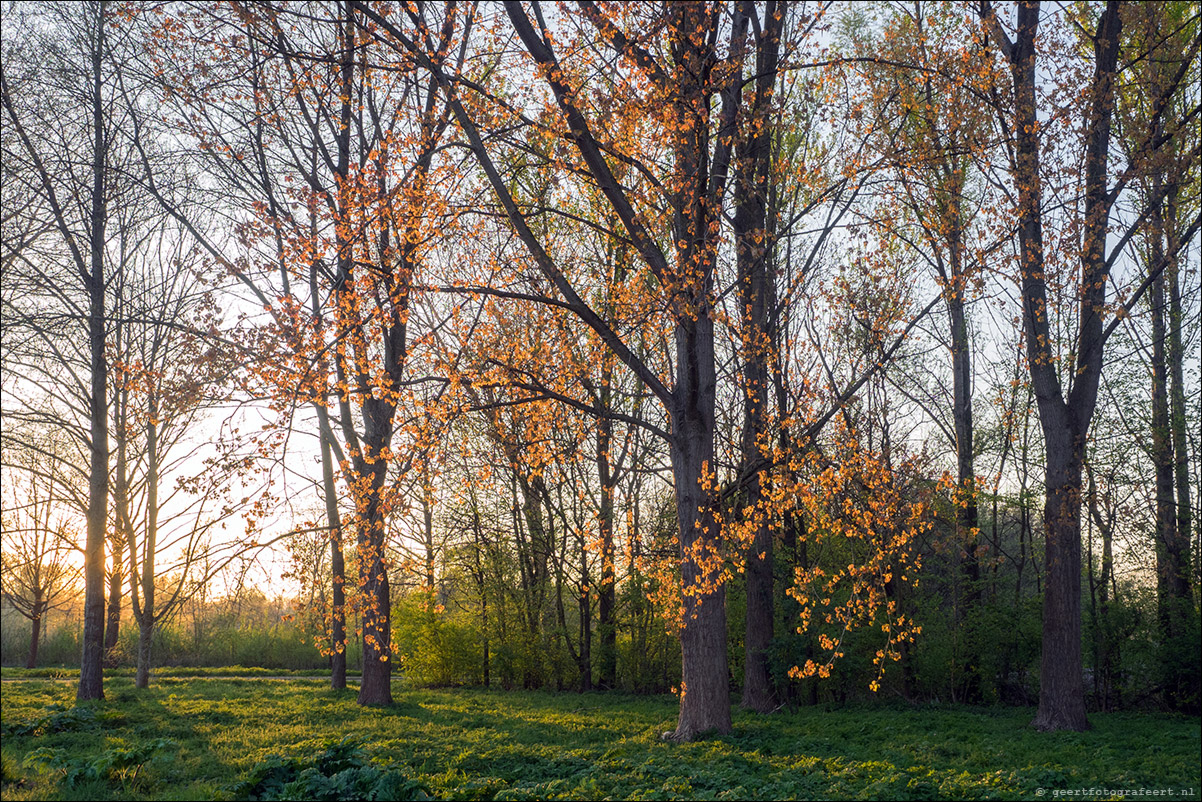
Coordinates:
802 350
246 629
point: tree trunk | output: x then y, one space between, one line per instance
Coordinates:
91 670
607 658
1108 646
967 520
145 639
1188 677
337 563
1065 420
586 631
705 679
36 612
375 687
484 657
1177 424
370 466
1061 687
756 299
145 612
705 676
1165 530
112 625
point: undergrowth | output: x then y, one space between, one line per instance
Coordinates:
253 739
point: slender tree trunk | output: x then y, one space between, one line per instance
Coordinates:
428 537
967 520
756 297
485 657
1178 423
1187 681
146 616
337 563
91 671
607 631
123 538
112 624
586 624
1163 465
1108 657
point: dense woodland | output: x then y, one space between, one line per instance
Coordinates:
760 352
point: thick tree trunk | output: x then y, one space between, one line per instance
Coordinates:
145 640
376 685
757 683
533 554
1061 686
35 636
91 671
705 678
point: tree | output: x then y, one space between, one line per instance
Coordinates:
166 378
695 192
362 143
1165 33
76 192
924 86
37 574
630 127
1065 413
754 244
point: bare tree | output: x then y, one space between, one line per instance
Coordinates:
66 62
36 573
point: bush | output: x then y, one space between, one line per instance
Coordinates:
120 764
434 647
341 771
60 718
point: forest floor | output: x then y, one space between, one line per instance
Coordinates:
192 738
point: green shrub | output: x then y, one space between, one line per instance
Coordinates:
121 764
340 772
435 647
60 718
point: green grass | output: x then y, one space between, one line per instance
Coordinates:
477 744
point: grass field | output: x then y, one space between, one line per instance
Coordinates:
206 738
